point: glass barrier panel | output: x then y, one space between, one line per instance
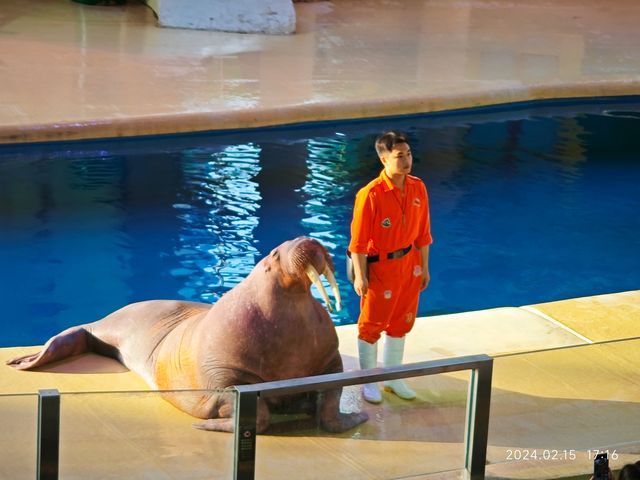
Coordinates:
401 439
18 435
553 411
140 435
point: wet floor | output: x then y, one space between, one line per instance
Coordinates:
75 71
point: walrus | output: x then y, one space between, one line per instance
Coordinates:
267 328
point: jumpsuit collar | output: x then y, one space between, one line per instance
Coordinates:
388 184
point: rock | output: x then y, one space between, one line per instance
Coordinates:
274 17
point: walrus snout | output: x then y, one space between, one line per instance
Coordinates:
308 257
303 251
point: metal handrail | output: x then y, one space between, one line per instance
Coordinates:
477 416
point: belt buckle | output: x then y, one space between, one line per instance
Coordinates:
399 253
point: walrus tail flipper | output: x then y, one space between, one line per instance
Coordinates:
72 341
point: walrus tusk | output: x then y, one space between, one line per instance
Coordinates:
312 273
334 287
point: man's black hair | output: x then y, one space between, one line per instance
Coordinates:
388 140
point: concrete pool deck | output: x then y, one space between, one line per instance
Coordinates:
555 398
71 71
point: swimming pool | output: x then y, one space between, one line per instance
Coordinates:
530 204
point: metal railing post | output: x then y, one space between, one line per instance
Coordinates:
244 464
48 434
477 421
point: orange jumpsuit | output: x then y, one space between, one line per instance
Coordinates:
384 221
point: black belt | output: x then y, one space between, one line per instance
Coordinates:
390 256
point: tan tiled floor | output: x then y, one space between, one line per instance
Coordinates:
74 71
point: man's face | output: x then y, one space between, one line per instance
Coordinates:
398 161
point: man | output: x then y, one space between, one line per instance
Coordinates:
390 238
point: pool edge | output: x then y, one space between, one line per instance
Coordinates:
343 110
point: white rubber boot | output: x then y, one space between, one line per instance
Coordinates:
393 352
368 353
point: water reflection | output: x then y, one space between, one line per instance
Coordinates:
283 172
328 198
217 209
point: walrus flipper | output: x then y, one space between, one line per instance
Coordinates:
73 341
216 425
331 418
226 423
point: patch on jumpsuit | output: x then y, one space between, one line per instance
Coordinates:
409 317
417 271
387 294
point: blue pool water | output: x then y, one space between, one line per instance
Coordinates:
528 205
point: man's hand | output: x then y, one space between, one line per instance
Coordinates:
361 285
360 280
426 278
424 254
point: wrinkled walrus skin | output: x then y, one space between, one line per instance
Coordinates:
267 328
